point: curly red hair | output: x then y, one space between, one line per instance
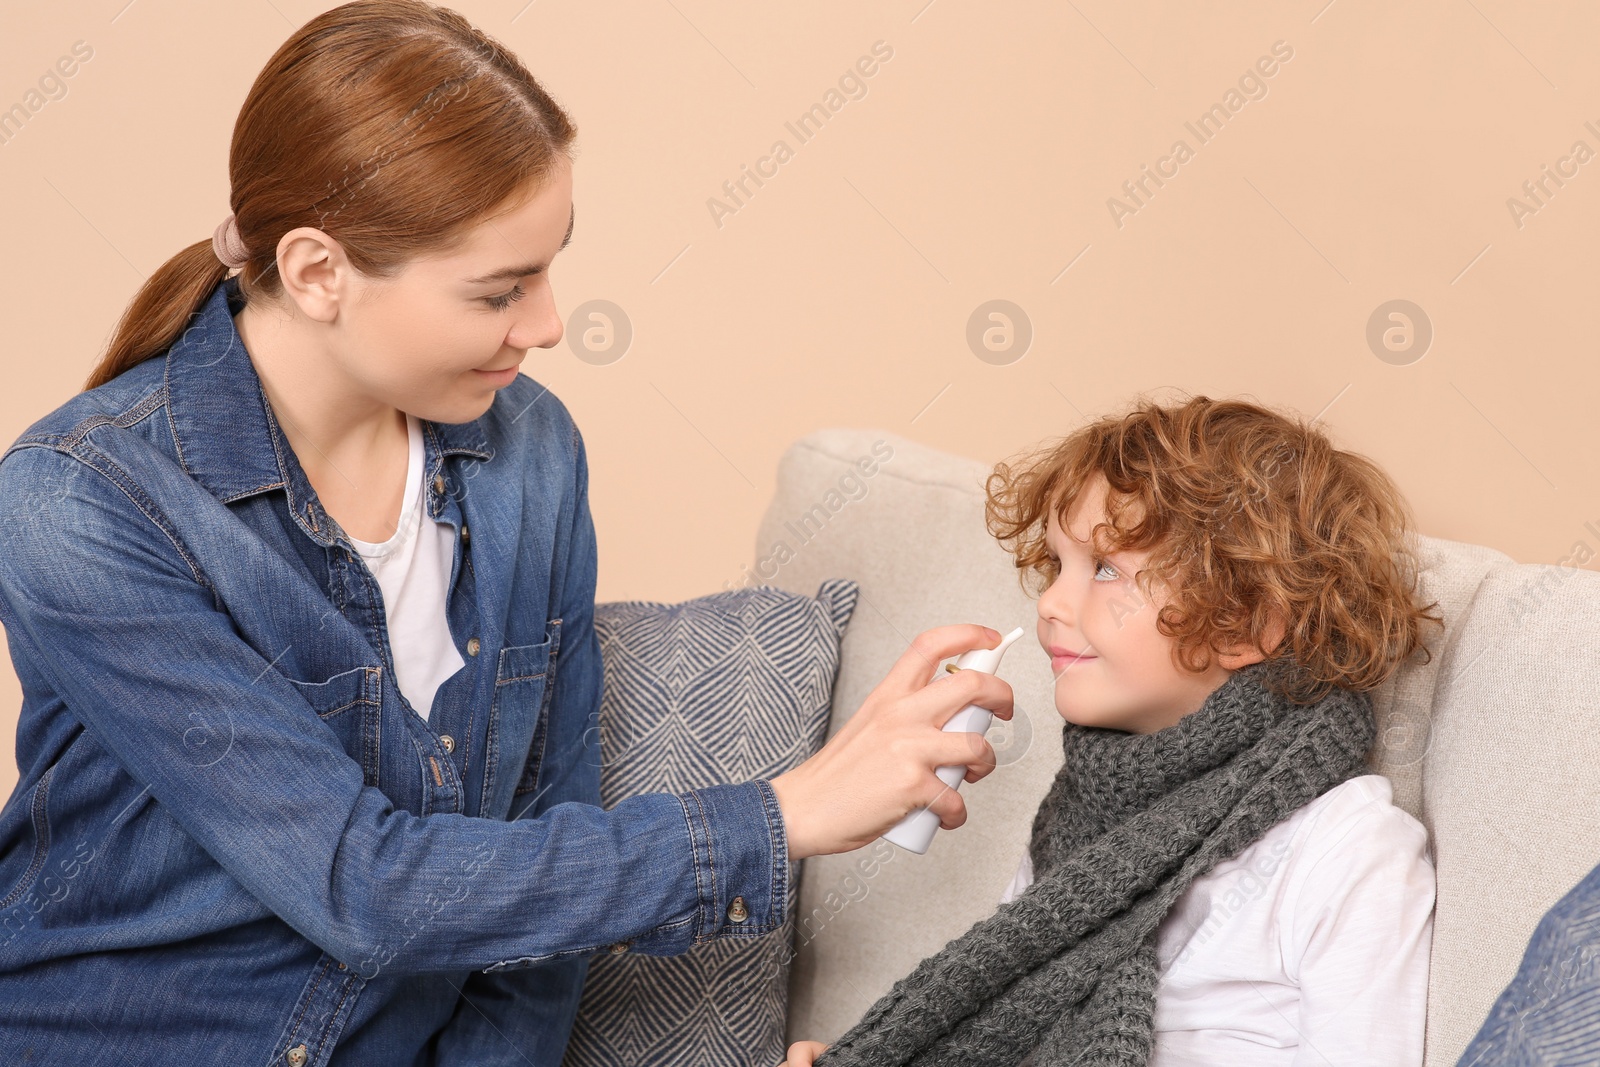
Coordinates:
1252 520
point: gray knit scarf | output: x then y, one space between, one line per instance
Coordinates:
1065 974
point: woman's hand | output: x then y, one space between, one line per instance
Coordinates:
879 767
802 1053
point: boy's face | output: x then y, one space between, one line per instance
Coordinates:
1128 678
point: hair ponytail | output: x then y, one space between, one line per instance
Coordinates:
160 310
394 126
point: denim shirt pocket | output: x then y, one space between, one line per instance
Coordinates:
36 802
350 703
524 681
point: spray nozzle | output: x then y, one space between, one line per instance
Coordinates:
986 660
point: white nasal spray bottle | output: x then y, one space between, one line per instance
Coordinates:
915 832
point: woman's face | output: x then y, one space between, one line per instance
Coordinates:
439 338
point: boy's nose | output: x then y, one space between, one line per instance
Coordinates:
1053 607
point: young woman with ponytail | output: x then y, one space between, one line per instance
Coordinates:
300 592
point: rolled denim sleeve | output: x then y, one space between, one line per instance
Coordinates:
726 841
129 626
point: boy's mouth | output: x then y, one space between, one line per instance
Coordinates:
1062 658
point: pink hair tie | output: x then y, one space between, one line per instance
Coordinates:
227 243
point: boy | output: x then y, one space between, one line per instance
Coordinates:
1220 880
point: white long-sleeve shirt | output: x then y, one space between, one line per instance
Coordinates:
1308 949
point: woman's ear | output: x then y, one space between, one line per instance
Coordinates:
1235 658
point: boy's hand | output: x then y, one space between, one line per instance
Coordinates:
803 1053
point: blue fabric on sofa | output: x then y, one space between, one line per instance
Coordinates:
1549 1014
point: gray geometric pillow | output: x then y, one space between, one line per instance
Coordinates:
724 688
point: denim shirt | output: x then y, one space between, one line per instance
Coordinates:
232 839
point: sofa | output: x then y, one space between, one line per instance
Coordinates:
1494 745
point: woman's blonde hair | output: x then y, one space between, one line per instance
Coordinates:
1249 516
394 126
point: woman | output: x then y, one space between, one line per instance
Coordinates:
294 775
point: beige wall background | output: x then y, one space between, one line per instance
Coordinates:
1356 153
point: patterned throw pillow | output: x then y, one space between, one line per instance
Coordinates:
725 688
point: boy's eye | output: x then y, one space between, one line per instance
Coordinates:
505 300
1102 565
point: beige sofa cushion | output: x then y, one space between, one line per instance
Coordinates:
1493 744
1511 781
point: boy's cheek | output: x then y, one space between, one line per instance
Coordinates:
1081 705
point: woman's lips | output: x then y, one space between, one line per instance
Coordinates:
499 377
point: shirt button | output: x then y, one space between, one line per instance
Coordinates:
448 742
466 535
736 911
619 948
296 1056
438 483
472 646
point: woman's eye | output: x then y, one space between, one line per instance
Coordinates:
505 300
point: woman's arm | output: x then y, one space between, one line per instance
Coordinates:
110 609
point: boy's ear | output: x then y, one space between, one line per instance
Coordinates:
1233 660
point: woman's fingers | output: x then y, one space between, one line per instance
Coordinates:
918 662
944 696
953 749
967 749
879 766
803 1053
948 805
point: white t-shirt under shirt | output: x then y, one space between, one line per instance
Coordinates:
413 571
1308 948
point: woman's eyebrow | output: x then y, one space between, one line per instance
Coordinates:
507 273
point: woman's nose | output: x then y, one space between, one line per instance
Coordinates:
540 325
